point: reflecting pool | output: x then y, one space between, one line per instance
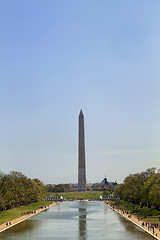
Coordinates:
76 220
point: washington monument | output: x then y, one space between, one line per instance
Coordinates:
81 155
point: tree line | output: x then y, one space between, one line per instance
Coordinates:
58 188
16 190
141 188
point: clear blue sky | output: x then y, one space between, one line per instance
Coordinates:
60 56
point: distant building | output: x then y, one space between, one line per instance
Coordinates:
113 183
104 181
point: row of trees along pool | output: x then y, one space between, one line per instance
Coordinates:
17 190
141 188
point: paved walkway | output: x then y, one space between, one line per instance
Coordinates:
15 221
137 221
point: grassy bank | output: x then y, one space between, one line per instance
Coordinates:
148 214
78 195
8 215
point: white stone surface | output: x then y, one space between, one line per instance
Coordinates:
81 155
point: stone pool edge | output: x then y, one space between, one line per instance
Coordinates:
18 220
131 220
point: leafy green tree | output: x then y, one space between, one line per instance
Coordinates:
154 196
138 188
16 190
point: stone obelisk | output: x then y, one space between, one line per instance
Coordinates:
81 155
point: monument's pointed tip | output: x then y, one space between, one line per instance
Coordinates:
81 113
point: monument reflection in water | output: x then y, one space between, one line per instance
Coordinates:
82 223
77 221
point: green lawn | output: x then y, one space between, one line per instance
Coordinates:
8 215
78 195
150 215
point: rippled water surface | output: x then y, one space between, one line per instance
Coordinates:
76 220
